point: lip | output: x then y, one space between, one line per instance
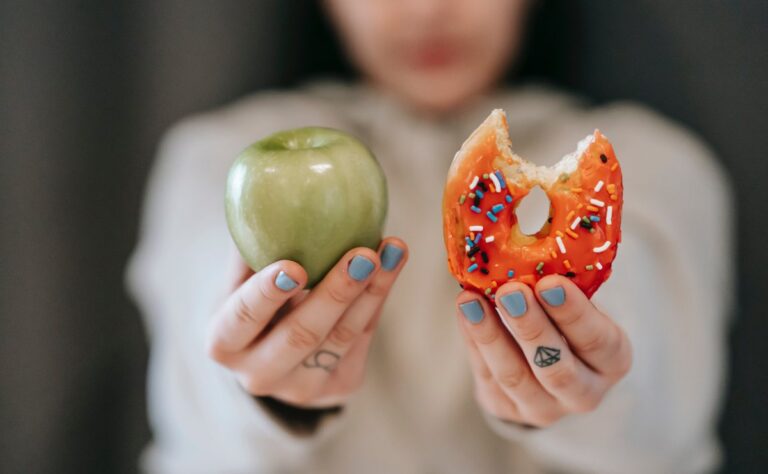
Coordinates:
430 55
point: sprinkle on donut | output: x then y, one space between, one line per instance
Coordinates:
487 182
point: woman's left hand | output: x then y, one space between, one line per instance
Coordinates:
557 354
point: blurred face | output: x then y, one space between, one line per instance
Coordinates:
434 54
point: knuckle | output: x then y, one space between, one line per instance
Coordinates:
597 342
377 288
267 292
342 335
301 337
613 346
575 316
530 332
340 293
614 343
243 311
487 337
511 378
562 377
484 373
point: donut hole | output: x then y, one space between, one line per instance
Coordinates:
533 212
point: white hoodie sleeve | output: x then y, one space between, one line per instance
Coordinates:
674 301
202 420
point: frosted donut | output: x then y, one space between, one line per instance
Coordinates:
487 181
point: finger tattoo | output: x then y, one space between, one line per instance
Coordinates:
322 359
546 356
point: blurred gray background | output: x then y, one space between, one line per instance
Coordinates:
87 87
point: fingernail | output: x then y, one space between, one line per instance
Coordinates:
360 267
284 282
554 296
390 257
472 310
514 303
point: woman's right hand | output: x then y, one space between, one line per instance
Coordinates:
306 348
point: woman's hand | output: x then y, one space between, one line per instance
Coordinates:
306 348
557 354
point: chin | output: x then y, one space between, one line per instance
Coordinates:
436 97
443 104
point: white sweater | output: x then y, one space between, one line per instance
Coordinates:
670 290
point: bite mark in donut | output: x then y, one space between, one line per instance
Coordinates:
487 181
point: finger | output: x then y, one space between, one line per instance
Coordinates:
504 358
249 309
354 361
331 388
393 254
333 351
558 370
592 335
489 395
348 375
300 332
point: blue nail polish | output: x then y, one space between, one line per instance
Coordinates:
284 282
473 311
514 303
554 296
360 267
390 257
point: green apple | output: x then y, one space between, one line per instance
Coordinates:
306 195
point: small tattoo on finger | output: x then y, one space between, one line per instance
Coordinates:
322 359
546 356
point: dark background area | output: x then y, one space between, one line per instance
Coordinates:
87 88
